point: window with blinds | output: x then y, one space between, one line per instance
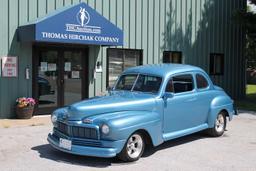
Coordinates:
120 59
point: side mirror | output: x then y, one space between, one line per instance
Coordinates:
167 95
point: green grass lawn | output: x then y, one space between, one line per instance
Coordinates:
249 103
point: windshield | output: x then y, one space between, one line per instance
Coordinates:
139 82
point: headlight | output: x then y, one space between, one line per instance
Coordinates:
105 129
54 119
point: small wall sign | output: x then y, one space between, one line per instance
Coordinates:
9 66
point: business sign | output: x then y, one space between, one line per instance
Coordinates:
77 24
9 67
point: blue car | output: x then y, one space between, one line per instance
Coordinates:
147 106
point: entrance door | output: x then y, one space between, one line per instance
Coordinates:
59 78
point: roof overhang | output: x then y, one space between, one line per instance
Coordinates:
75 24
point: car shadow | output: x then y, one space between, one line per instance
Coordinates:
48 152
176 142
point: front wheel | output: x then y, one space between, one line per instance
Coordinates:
219 126
133 149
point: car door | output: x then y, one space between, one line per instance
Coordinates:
181 111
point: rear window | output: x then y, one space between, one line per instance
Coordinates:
201 81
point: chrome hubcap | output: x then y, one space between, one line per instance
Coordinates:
134 146
220 123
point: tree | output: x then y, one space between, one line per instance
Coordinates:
247 18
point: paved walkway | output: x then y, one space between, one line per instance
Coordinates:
25 148
34 121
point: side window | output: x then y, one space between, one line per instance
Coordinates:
201 81
183 83
169 86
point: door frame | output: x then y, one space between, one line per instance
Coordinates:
60 48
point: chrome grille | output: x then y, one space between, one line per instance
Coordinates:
75 141
83 132
63 128
77 132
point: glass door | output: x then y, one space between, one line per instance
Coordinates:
47 79
60 77
73 75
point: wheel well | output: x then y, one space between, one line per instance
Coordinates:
225 112
147 137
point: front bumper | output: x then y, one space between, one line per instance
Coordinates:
107 149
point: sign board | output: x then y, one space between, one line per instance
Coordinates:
52 67
75 74
77 24
43 66
67 66
9 66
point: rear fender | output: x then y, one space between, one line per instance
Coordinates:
218 104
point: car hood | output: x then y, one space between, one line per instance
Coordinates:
116 102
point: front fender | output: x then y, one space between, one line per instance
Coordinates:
218 104
123 124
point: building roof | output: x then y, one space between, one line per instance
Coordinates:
162 69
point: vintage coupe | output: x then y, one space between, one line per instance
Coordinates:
148 105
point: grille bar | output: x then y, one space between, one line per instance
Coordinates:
77 132
76 141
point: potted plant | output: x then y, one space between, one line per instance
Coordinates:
25 107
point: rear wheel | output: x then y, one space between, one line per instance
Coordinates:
219 126
133 149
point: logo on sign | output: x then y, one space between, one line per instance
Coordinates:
83 19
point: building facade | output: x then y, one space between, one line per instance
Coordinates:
40 57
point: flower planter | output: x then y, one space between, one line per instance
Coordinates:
24 112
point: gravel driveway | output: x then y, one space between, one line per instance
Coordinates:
26 148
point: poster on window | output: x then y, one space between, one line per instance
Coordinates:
43 66
75 74
52 67
67 66
9 66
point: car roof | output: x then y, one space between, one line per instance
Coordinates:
162 70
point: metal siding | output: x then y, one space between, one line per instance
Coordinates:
42 7
153 26
51 5
4 45
138 39
161 29
132 25
32 10
156 31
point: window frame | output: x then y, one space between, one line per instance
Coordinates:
185 92
138 74
195 79
172 52
212 64
123 49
